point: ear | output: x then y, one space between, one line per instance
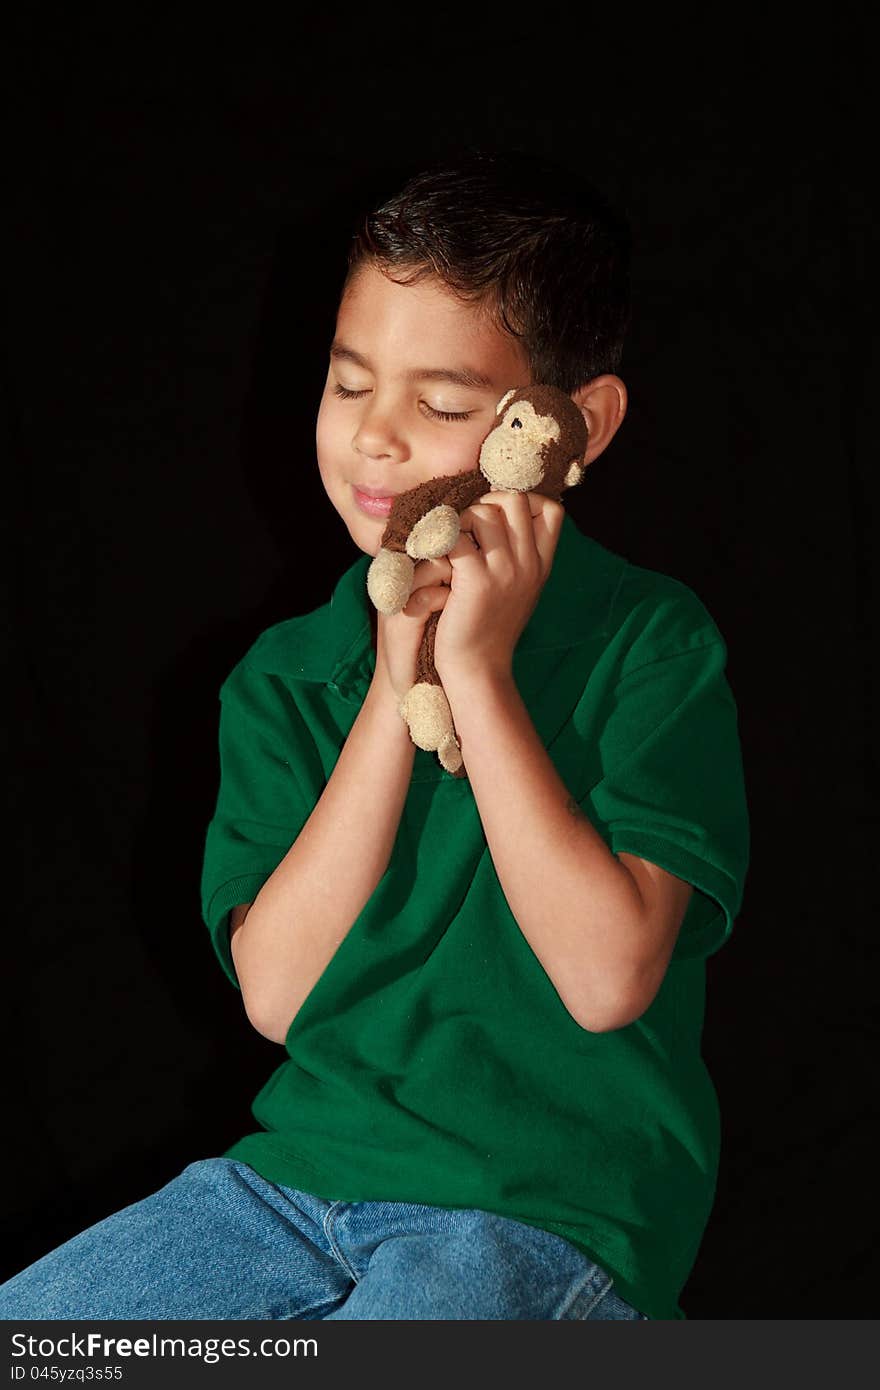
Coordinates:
504 399
603 403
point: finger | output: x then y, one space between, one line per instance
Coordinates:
516 507
466 556
425 600
432 572
486 526
535 499
485 521
547 526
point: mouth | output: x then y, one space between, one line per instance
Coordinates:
373 501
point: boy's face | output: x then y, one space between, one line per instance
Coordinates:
395 346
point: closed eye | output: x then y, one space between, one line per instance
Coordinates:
447 414
346 395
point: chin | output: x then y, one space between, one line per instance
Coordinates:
365 533
366 537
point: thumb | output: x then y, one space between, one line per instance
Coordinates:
426 600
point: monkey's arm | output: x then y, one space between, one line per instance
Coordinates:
457 492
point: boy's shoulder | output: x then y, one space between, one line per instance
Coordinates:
658 616
286 646
306 646
646 613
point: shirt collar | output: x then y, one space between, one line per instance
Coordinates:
334 645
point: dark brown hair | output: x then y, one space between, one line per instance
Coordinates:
534 242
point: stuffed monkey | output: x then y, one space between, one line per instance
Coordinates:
537 444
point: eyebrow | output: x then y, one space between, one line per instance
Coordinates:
459 376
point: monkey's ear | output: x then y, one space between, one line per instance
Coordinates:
576 471
504 399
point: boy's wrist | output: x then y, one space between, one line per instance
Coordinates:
382 697
469 684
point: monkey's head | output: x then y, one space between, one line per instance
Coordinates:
538 442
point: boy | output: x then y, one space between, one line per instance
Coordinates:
490 989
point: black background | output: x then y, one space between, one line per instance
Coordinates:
180 202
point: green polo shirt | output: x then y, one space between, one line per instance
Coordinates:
433 1060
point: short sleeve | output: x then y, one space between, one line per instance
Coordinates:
672 788
260 807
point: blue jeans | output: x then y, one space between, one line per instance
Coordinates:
219 1241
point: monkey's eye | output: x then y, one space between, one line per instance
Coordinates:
516 424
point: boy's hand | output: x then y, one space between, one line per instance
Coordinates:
399 635
500 563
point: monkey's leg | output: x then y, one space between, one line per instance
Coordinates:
426 708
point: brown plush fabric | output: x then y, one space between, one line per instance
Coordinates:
426 671
536 444
458 491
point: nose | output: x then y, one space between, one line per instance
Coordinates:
376 435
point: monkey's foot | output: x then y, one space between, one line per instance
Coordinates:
389 580
426 710
449 753
434 535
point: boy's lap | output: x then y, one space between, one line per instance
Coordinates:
218 1241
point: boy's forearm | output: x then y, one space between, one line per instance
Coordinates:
305 909
577 905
